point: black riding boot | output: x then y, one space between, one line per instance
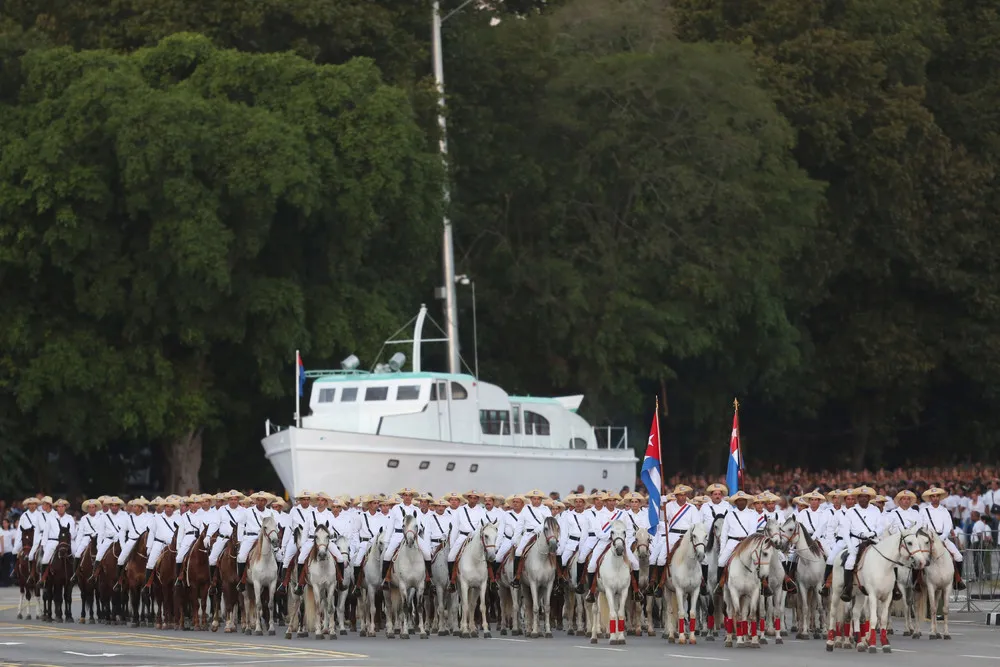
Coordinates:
654 579
385 571
118 578
581 577
896 593
847 594
211 576
76 569
357 574
826 577
427 568
516 583
704 580
149 577
240 568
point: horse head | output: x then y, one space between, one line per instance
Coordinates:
715 534
787 531
269 527
699 540
551 531
618 537
65 536
773 533
488 536
322 542
916 544
411 530
641 545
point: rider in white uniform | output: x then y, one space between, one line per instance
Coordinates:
161 533
739 524
191 524
88 530
223 522
300 517
505 540
496 516
29 519
836 530
679 517
57 522
134 526
397 516
812 521
529 523
576 528
249 532
370 523
938 518
863 521
465 521
904 515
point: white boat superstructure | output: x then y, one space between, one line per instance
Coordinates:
376 431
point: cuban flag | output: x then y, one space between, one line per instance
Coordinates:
734 471
301 373
650 475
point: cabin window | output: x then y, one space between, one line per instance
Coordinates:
535 424
408 392
516 409
577 443
450 466
326 395
458 392
495 422
349 395
438 388
376 393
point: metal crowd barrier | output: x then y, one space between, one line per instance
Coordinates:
981 571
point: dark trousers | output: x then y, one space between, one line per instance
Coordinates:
6 569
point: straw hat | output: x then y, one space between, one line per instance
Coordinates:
30 501
171 501
548 502
46 499
669 498
835 493
322 495
454 495
140 501
600 495
535 493
905 493
85 505
934 491
305 495
717 487
102 499
741 495
634 495
425 497
812 495
864 491
879 498
516 496
683 488
557 504
407 491
280 501
337 502
438 502
614 497
769 497
61 501
394 499
473 493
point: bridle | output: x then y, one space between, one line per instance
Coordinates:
487 547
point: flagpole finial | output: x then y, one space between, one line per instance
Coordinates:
736 404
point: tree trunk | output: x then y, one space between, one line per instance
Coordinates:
183 457
862 425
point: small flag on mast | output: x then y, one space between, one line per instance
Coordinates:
651 475
734 471
301 373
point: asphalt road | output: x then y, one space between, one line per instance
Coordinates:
69 645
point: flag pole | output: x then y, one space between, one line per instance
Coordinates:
659 447
739 444
298 397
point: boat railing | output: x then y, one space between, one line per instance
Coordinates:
312 375
271 428
611 437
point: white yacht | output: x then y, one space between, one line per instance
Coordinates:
376 431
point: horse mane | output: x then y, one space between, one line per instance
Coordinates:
815 548
746 543
551 523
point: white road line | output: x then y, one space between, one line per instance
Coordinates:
982 657
695 657
601 648
901 650
508 639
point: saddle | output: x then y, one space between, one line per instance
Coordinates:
597 570
458 557
527 547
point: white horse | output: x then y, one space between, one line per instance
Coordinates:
614 575
710 611
262 576
574 608
339 600
680 595
510 600
938 580
372 574
444 607
539 574
810 565
904 580
641 612
771 607
293 602
321 585
480 550
408 574
749 565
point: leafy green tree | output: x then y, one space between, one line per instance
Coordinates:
176 221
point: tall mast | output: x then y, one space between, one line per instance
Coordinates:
447 245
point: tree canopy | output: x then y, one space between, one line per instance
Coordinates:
793 203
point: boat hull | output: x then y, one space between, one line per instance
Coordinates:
357 463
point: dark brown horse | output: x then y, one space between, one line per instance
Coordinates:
232 601
23 570
134 578
164 576
109 601
194 583
88 587
57 591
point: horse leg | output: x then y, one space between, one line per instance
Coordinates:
482 607
945 596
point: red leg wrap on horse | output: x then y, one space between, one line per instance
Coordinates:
865 626
830 635
753 629
728 624
680 626
711 622
760 625
871 638
777 625
611 626
621 625
884 636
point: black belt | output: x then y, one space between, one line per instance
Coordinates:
511 536
365 539
591 534
53 539
839 539
191 532
574 538
463 532
738 539
678 531
251 533
437 539
858 537
156 539
399 530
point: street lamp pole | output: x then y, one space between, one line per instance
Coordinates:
475 334
447 245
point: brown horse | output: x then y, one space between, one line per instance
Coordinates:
88 588
135 576
194 582
164 575
232 601
109 601
23 569
58 592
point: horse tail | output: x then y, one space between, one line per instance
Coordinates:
310 610
920 604
603 612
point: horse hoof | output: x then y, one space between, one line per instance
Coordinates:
517 633
332 636
784 633
548 635
465 635
932 636
593 640
91 622
681 641
795 628
258 633
319 635
763 641
503 632
861 647
288 635
405 635
729 644
779 641
872 649
946 637
886 649
709 638
389 635
817 635
651 633
270 633
487 635
20 616
444 633
303 635
671 640
829 647
891 631
424 635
